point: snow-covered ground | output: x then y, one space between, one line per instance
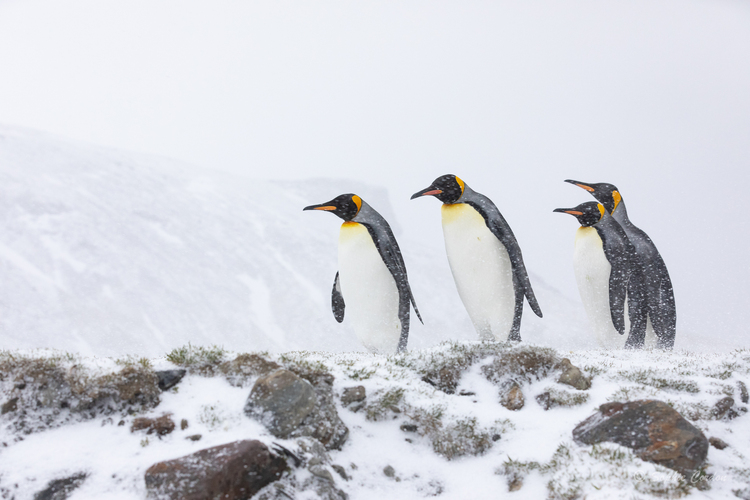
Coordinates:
107 254
534 443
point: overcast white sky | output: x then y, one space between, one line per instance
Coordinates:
514 97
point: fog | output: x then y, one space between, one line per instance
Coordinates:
514 97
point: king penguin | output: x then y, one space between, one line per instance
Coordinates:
662 312
485 259
371 281
608 275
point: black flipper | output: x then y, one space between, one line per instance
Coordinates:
500 228
637 310
337 300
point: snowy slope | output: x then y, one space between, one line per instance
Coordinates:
110 253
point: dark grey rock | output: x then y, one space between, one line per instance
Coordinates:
353 395
282 400
169 378
194 437
245 367
409 427
321 472
233 471
652 429
60 489
389 471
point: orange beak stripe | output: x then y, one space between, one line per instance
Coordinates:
433 192
573 212
587 188
329 208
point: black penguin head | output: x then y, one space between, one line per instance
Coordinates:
345 206
446 188
588 213
606 194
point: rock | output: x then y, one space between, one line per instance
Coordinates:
340 471
572 376
9 406
303 402
169 378
183 424
554 398
545 400
389 471
408 427
353 395
60 489
717 443
743 392
161 426
244 367
513 398
321 472
194 437
282 400
233 471
724 409
656 432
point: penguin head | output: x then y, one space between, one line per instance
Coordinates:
606 194
346 206
446 188
588 213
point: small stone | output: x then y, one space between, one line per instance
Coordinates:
394 409
724 409
194 437
513 399
169 378
515 483
20 386
717 443
467 393
353 395
408 427
161 426
545 400
573 376
496 437
743 392
340 471
120 423
9 406
183 424
389 471
321 472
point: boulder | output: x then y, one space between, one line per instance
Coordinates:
353 395
233 471
512 397
245 367
653 429
292 405
282 400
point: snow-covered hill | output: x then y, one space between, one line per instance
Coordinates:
110 253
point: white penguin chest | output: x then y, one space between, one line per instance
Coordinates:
370 293
481 269
592 270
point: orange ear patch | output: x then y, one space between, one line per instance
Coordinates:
601 210
460 184
357 201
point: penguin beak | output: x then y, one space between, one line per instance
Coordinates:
571 211
323 206
582 185
429 191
